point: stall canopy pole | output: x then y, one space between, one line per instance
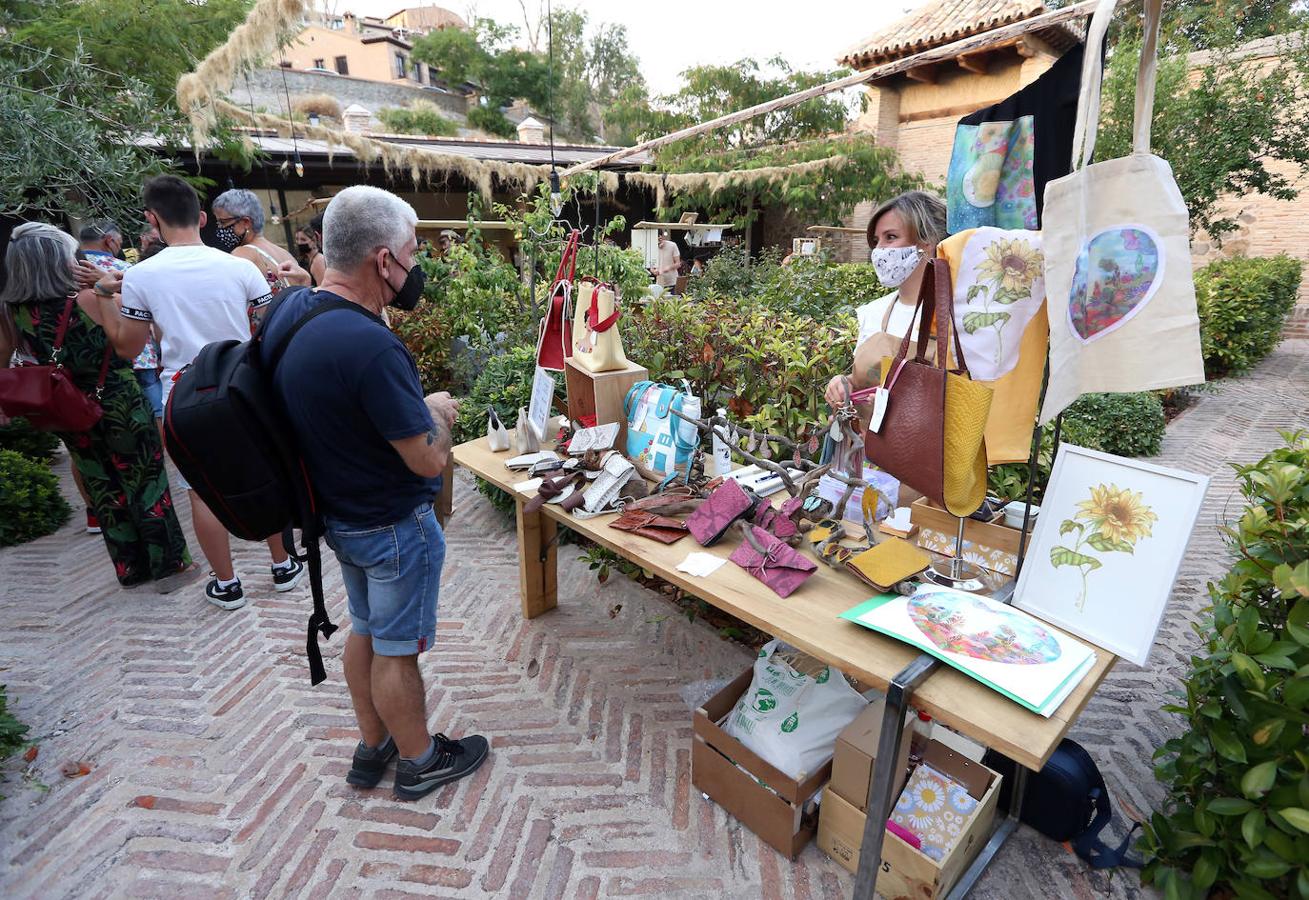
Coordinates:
936 54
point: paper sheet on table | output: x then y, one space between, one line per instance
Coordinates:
700 565
526 487
601 437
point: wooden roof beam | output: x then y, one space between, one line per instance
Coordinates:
925 74
975 62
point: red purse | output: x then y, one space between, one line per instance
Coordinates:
45 396
554 342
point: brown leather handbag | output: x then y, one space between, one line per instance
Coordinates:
931 436
45 395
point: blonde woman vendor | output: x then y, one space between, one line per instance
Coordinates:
903 234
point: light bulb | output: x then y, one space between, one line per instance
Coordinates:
556 194
299 169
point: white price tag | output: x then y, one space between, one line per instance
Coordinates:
880 400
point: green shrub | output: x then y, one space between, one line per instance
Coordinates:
23 438
505 384
492 121
1243 304
11 730
810 285
1121 424
30 504
420 117
1236 818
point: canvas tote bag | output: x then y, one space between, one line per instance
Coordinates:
597 346
1117 253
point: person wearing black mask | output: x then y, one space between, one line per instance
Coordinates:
375 448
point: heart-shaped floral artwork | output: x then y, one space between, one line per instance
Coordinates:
959 623
1117 272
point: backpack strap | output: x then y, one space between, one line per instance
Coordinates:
320 623
1096 852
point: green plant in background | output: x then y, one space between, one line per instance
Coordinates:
1121 424
30 505
1236 819
505 384
1243 304
812 286
11 730
420 117
23 438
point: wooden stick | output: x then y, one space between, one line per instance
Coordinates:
935 55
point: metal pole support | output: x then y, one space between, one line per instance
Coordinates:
881 787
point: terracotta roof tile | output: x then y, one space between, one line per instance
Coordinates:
938 22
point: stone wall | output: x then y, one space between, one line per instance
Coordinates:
266 91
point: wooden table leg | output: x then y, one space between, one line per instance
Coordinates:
536 562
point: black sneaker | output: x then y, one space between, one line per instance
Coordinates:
231 597
452 760
286 578
369 764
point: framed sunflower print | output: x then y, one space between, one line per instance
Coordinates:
1107 547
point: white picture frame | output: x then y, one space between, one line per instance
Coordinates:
538 411
1107 548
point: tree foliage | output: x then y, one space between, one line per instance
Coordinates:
420 117
82 83
1221 125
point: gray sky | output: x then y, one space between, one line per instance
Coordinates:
669 37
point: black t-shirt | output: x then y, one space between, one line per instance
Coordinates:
350 387
1005 154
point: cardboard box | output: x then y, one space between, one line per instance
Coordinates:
906 872
994 543
777 815
856 750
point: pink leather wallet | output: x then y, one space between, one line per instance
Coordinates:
728 503
772 561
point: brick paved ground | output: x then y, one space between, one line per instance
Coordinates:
217 771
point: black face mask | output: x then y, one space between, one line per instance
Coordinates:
411 291
227 239
303 248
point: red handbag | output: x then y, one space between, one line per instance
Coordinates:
554 342
45 396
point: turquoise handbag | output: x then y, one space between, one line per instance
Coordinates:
656 438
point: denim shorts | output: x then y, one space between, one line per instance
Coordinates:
152 388
392 574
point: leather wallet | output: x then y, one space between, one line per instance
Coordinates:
729 503
664 529
772 561
889 563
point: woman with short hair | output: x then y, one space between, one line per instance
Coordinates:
902 235
240 219
120 458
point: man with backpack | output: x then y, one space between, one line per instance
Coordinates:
195 295
373 447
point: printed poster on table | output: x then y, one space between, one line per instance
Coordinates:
1006 649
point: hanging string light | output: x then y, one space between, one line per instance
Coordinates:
295 147
268 185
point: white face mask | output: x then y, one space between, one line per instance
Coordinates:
895 264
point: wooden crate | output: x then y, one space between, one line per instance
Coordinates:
995 543
776 815
906 872
601 394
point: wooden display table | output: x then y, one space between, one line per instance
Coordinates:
808 619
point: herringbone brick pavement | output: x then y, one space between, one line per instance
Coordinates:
216 771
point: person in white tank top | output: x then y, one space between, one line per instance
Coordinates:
240 219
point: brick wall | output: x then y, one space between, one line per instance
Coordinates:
266 91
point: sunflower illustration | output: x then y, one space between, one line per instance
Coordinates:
1011 265
1119 514
1111 520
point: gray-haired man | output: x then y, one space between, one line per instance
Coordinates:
374 447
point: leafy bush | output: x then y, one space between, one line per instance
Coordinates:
1243 304
809 285
30 505
23 438
769 367
420 117
492 121
1236 819
505 384
1122 424
11 730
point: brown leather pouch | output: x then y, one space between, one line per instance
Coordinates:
664 529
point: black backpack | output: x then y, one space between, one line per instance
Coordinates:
1068 801
227 435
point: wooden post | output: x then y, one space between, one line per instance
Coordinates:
536 562
445 500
